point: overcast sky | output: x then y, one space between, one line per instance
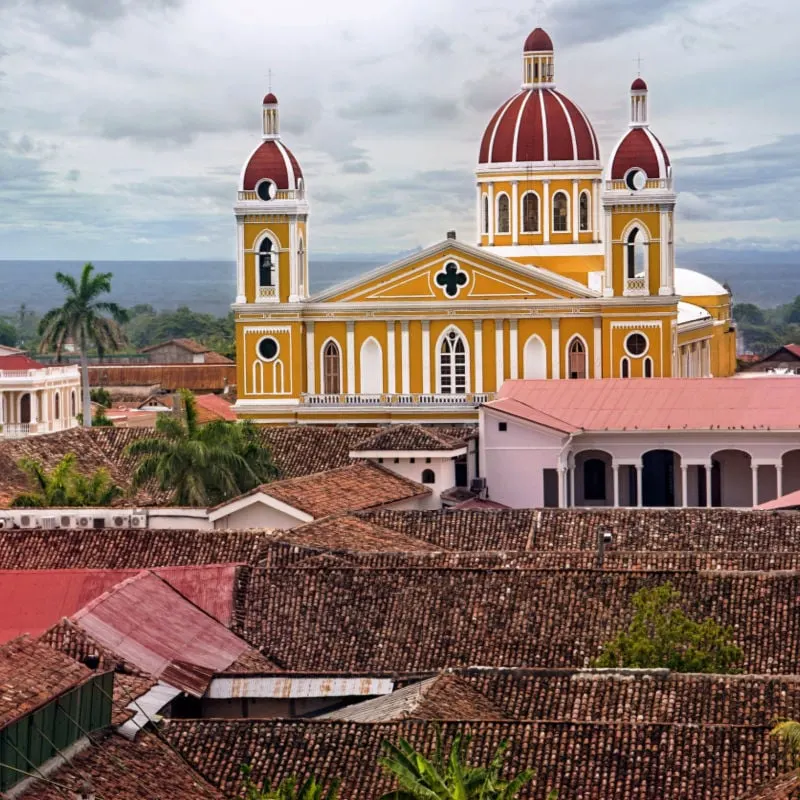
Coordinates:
124 123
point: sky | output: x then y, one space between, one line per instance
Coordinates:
124 124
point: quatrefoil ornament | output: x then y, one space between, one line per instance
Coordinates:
451 279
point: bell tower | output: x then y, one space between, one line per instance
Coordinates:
639 210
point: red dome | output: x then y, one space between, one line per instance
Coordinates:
538 41
539 125
273 160
639 85
270 99
639 148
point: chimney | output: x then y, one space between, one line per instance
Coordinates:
451 234
604 539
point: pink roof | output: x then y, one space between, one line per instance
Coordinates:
787 501
148 623
19 362
794 349
652 404
31 601
217 405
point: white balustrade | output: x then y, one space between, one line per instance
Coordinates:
396 399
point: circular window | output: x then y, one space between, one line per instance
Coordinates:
266 190
268 349
636 179
636 344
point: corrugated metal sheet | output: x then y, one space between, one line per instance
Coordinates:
290 688
147 707
148 623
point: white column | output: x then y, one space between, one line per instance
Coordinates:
479 215
684 485
34 407
498 353
515 212
478 355
575 211
608 252
351 358
561 488
513 349
779 479
555 348
664 282
615 474
391 368
294 282
311 360
596 211
571 473
598 347
754 469
426 357
405 358
545 221
491 213
708 484
639 485
240 287
45 408
2 408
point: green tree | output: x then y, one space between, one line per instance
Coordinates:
82 320
662 636
101 396
201 465
788 732
101 420
288 789
64 486
748 313
8 333
449 776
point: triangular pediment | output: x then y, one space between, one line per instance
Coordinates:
454 272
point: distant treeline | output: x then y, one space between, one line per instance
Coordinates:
763 330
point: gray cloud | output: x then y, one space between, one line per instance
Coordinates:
488 92
695 144
360 167
382 103
436 43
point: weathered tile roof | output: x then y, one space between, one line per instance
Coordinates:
785 787
206 377
583 760
31 674
441 697
354 487
189 345
406 620
411 437
119 769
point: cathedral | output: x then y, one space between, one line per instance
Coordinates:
570 275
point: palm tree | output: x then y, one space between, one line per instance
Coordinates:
288 789
451 777
64 486
82 320
201 465
788 732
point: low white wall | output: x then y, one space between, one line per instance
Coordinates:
257 515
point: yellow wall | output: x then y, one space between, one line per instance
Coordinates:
620 223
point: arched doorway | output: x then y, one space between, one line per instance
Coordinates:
659 486
25 409
790 478
331 368
594 479
371 367
535 359
735 479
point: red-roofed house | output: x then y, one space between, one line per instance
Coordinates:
35 398
657 442
784 361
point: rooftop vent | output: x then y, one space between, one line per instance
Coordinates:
451 234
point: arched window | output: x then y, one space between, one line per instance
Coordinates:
636 254
560 213
428 476
265 265
625 370
73 405
25 409
535 359
503 214
584 211
577 359
453 364
530 213
331 369
648 367
594 479
371 367
57 405
485 213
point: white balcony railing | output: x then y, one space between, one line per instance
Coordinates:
636 286
72 371
407 400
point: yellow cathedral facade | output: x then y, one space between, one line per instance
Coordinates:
571 275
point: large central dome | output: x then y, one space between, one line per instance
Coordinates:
539 124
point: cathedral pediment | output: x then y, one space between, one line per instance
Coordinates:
454 272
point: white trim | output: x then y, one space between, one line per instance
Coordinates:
405 358
538 250
575 211
438 454
323 388
589 210
245 166
553 211
483 214
598 347
545 147
595 146
491 214
622 361
514 212
368 340
241 297
555 348
498 354
521 170
524 356
519 122
426 357
277 352
645 360
311 361
497 125
288 162
467 362
497 198
585 355
478 338
513 349
544 212
538 212
662 164
350 328
391 357
262 498
569 122
625 344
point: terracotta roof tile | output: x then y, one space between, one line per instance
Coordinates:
195 377
410 437
190 345
784 787
583 760
31 674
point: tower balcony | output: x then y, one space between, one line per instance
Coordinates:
472 400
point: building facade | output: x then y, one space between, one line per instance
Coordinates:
571 274
35 398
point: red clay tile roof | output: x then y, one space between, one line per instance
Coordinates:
195 377
214 406
31 674
190 345
479 504
119 769
19 362
657 404
410 437
583 760
426 619
784 787
351 488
